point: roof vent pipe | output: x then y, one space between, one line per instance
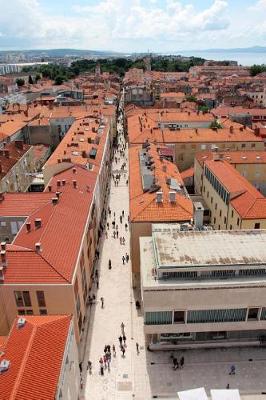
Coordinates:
54 200
28 226
3 245
38 247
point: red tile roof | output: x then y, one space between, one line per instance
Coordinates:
245 198
62 226
23 204
143 206
234 157
35 352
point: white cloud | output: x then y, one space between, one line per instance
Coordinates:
261 4
130 25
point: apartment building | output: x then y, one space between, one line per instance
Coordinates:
203 288
157 194
188 133
17 162
250 164
39 359
46 270
234 203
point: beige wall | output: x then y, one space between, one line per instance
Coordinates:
219 297
185 152
17 179
137 229
69 380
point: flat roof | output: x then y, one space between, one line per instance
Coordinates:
206 248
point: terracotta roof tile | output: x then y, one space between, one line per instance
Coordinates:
35 352
143 206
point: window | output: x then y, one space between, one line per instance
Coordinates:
158 317
211 200
237 221
219 227
253 314
232 213
224 315
215 206
224 220
243 145
41 298
179 317
231 227
214 220
257 225
203 189
43 311
220 213
22 299
253 145
207 195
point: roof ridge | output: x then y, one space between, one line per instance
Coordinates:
62 276
23 363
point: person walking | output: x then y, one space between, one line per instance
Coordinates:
114 350
122 328
102 301
232 370
123 213
124 339
117 233
105 361
123 351
120 219
109 264
137 347
120 340
107 225
101 366
89 367
127 258
182 361
175 362
126 226
123 259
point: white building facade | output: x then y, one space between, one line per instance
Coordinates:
203 288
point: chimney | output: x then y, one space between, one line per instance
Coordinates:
64 182
74 170
28 226
74 184
3 258
54 200
3 245
172 197
38 247
57 194
198 214
58 183
159 197
21 322
19 144
49 188
38 223
231 129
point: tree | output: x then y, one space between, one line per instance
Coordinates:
59 79
257 69
37 77
20 82
30 80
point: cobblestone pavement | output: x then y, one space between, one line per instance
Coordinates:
150 375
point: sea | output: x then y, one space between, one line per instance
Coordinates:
243 58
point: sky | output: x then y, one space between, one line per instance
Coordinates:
132 25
